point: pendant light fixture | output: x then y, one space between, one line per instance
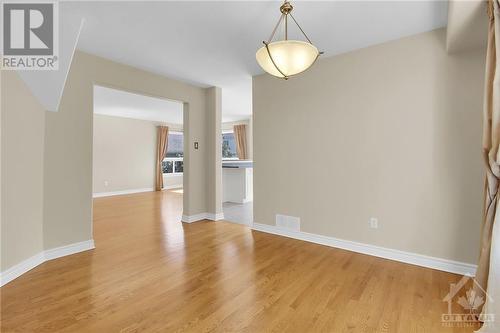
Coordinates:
286 58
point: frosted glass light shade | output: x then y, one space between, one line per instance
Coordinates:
290 56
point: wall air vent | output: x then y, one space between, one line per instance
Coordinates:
288 222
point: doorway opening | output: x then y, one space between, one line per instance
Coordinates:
237 171
125 143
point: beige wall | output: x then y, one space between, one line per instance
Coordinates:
22 138
68 144
249 123
46 167
124 154
392 131
214 151
467 25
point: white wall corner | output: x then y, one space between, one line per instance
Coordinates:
39 258
441 264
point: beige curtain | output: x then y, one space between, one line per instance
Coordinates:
240 136
161 151
488 271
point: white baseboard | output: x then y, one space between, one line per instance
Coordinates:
202 216
239 202
373 250
215 217
39 258
70 249
109 194
193 218
21 268
171 187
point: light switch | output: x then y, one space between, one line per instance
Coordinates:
196 145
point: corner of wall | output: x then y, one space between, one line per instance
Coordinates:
214 150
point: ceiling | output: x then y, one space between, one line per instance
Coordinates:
214 43
112 102
48 86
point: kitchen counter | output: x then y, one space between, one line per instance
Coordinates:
237 181
237 164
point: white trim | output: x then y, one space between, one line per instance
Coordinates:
172 175
21 268
202 216
194 218
241 202
173 159
39 258
108 194
171 187
70 249
373 250
215 217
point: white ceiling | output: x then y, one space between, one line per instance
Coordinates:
47 86
214 43
119 103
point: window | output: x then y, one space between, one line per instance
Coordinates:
229 146
175 144
173 163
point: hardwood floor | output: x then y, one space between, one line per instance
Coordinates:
151 273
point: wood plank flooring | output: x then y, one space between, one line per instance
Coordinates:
151 273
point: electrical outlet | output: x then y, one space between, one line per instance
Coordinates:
373 223
106 183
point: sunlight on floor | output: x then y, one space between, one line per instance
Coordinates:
180 190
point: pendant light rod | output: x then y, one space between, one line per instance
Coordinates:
298 25
286 9
275 28
286 27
